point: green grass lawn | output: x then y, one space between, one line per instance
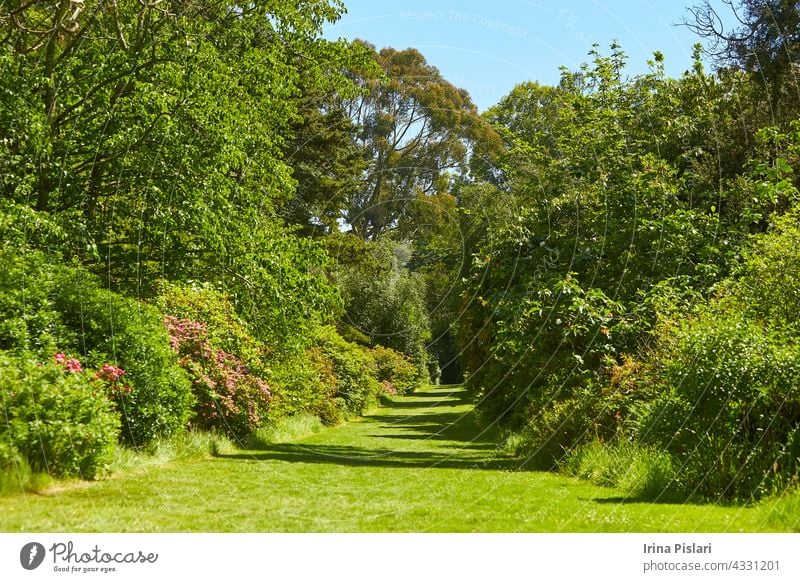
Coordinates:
418 464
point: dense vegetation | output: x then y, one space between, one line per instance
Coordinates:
636 312
150 280
214 219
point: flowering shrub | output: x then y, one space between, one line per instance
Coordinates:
229 396
155 398
55 417
70 364
395 371
47 308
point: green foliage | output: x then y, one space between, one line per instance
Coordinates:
28 318
561 332
229 397
727 409
224 362
555 424
303 384
49 308
618 208
768 282
395 371
383 299
351 372
416 130
55 421
645 473
112 328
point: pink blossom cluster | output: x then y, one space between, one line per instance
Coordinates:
229 395
186 336
70 364
111 374
107 372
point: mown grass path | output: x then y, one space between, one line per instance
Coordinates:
418 464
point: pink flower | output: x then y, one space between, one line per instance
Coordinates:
73 365
70 364
109 373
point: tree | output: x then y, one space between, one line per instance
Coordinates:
764 40
384 300
151 137
417 132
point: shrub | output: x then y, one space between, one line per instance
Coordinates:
225 330
384 300
228 395
728 404
304 383
559 420
395 371
28 319
548 340
352 371
768 284
57 419
112 328
48 308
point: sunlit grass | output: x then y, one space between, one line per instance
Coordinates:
418 464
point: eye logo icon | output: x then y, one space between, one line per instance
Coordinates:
31 555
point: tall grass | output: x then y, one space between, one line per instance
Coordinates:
18 477
640 472
783 511
285 430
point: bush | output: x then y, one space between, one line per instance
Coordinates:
396 372
112 328
728 406
384 300
349 369
28 319
56 421
559 420
768 284
47 308
228 396
225 330
548 338
302 384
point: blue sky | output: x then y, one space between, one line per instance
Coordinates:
489 47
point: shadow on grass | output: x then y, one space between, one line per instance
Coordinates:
373 457
403 419
672 500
